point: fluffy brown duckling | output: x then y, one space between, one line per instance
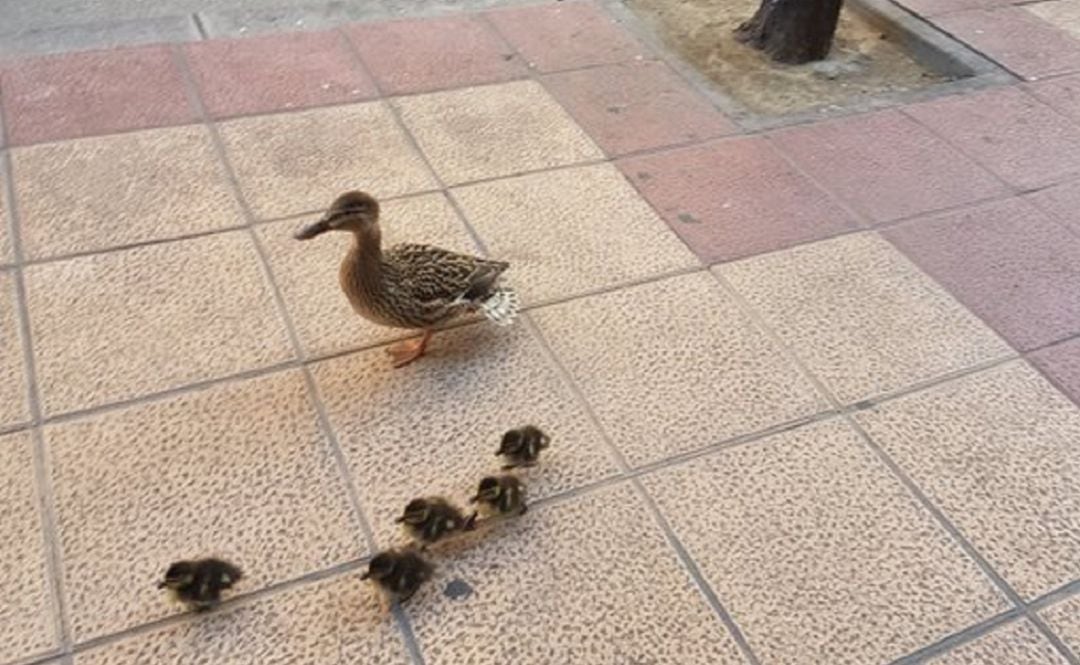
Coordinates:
501 496
199 583
399 573
432 519
522 446
417 287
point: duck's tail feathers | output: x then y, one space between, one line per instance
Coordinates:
501 306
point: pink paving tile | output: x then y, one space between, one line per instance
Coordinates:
734 198
1062 93
637 105
886 165
1061 362
1019 138
938 7
434 54
1008 262
1061 201
1017 39
276 72
566 35
100 92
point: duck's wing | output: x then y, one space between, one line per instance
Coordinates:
436 275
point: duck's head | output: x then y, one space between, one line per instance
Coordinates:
352 211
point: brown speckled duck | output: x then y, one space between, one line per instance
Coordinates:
410 286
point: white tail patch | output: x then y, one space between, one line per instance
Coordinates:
501 306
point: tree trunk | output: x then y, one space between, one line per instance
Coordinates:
792 31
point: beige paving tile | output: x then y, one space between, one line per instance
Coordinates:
494 130
1018 643
861 316
818 552
334 621
1063 14
307 273
13 391
673 366
1064 619
592 580
434 426
6 252
293 163
996 452
115 326
94 193
240 470
26 609
570 231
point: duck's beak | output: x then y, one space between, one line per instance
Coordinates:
312 230
474 499
399 520
367 574
161 585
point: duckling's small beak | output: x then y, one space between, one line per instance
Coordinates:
366 574
312 230
474 499
399 520
161 585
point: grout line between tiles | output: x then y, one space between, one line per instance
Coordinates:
958 639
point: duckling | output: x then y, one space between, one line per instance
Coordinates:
502 496
417 287
522 446
199 583
431 519
398 573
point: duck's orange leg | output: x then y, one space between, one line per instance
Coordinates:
405 352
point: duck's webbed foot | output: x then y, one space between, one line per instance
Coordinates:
406 352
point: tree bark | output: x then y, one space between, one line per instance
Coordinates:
792 31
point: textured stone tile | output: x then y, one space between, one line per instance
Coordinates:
101 192
1015 267
434 54
434 426
1062 93
1064 620
818 552
1061 363
1061 202
256 20
97 35
1015 38
735 198
861 317
1062 14
276 72
7 254
307 273
1017 643
298 162
938 7
333 621
995 452
637 105
570 231
600 585
240 470
13 389
886 165
494 131
566 35
82 94
26 613
1014 135
115 326
642 357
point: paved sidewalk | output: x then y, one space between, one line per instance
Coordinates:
813 392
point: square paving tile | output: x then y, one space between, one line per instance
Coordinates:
886 165
1062 93
735 198
1061 362
116 326
938 7
101 192
566 35
1061 202
7 254
1017 137
1064 620
13 390
82 94
434 54
995 451
600 583
434 426
1063 14
637 105
241 470
1017 39
298 162
276 72
570 231
307 273
643 357
494 131
1018 643
861 317
1008 262
27 627
818 552
333 621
